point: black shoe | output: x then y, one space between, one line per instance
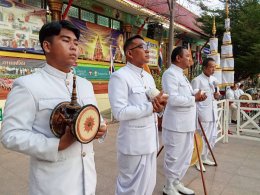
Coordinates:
232 121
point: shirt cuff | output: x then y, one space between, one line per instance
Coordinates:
150 108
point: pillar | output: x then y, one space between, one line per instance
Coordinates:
55 7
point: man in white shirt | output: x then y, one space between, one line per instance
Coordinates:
239 91
207 110
137 139
57 165
230 95
179 122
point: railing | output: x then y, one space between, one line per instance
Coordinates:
222 127
248 120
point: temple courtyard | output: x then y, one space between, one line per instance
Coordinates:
237 173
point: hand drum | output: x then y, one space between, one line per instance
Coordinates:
84 121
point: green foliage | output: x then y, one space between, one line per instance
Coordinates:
246 36
158 78
245 33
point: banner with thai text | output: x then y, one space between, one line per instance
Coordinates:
12 68
92 72
153 51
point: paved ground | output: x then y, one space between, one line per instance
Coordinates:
237 173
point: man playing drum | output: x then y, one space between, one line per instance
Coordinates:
57 166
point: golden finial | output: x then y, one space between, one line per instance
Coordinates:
214 27
227 11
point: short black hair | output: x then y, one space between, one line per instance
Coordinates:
177 51
130 40
51 29
206 61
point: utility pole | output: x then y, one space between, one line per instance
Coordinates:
171 4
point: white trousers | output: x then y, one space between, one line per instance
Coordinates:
210 129
233 110
137 174
178 152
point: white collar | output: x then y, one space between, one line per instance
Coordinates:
177 68
205 76
57 73
135 68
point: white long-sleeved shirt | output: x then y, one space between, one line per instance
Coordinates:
207 109
26 129
137 133
180 111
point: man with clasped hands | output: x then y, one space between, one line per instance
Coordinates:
179 122
207 110
137 139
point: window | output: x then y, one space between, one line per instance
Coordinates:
92 17
115 24
103 21
87 16
73 11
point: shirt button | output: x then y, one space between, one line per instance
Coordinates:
83 154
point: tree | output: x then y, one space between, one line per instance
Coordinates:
245 31
247 40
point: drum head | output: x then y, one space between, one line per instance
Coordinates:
87 124
195 158
245 96
57 122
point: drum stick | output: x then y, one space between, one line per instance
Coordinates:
158 153
201 173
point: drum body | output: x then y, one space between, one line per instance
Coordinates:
58 119
84 122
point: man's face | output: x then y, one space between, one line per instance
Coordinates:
210 69
184 60
138 53
235 86
62 51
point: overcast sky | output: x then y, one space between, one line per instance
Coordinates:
212 3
